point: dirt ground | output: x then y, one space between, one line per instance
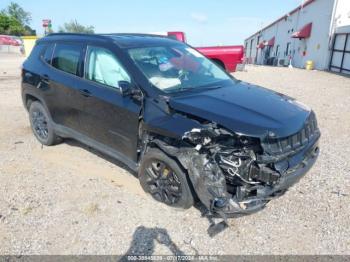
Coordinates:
69 199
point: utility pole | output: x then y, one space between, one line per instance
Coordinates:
47 26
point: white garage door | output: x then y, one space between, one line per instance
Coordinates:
340 60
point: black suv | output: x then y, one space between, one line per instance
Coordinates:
189 129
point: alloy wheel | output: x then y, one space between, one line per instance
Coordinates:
40 125
162 182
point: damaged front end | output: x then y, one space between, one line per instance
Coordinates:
235 174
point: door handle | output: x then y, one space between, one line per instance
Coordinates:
85 92
45 79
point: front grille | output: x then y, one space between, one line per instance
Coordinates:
286 145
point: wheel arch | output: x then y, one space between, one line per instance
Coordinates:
29 99
151 143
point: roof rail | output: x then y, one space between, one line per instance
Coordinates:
71 34
131 34
105 36
96 36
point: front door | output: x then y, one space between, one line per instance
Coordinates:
108 117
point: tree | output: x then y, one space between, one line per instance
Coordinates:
74 27
29 30
14 20
16 11
10 25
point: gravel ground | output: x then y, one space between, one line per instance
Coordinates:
69 199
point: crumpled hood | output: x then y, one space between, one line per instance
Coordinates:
245 109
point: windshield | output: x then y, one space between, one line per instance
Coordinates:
177 68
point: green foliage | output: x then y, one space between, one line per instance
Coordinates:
74 27
10 25
29 30
16 11
14 20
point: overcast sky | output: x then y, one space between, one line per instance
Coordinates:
206 22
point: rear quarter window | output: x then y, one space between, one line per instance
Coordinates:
37 51
66 57
47 55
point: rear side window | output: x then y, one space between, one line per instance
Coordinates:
66 58
37 51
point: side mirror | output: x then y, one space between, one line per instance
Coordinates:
124 88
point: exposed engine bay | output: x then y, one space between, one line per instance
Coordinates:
230 173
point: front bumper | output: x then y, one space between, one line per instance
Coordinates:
299 165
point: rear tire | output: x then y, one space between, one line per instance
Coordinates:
42 125
163 178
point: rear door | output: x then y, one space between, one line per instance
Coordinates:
65 97
108 117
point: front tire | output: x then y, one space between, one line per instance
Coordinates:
41 124
163 178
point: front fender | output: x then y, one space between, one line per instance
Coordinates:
158 119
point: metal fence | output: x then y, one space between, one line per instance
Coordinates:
11 49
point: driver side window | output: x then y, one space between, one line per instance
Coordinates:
103 67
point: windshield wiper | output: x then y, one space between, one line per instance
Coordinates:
199 88
210 87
